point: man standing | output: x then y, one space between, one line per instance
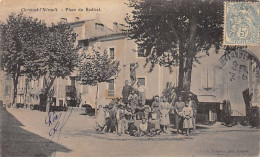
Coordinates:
126 92
179 105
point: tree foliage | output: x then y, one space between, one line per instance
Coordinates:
21 43
61 54
34 50
176 32
97 67
60 57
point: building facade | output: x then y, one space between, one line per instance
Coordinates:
222 77
6 85
92 33
217 78
121 48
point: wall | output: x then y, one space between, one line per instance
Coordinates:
125 52
229 80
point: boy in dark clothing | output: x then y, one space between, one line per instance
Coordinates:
131 129
140 111
112 119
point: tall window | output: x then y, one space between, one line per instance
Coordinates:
208 78
141 81
112 53
111 88
140 51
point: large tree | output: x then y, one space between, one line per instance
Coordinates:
97 67
176 32
21 43
59 59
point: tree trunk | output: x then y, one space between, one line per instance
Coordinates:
185 69
25 94
187 74
48 94
96 101
48 104
181 68
15 81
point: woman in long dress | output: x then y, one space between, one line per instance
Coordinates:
164 114
187 115
101 119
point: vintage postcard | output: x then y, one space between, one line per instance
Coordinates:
129 78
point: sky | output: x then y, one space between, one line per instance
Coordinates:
111 10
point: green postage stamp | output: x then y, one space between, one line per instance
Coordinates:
241 23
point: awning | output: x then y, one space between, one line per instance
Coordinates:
208 98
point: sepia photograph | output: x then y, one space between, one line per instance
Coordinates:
129 78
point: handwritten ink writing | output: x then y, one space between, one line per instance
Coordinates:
53 120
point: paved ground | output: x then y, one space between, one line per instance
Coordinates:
25 133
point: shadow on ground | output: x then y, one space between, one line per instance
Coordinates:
17 142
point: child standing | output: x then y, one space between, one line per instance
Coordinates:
147 111
121 120
187 115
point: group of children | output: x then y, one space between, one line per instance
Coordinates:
122 118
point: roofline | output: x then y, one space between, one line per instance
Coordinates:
106 36
82 21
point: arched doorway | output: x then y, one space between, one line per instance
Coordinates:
241 71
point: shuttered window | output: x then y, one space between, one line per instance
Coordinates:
208 78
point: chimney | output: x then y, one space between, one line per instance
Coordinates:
115 27
76 19
63 20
